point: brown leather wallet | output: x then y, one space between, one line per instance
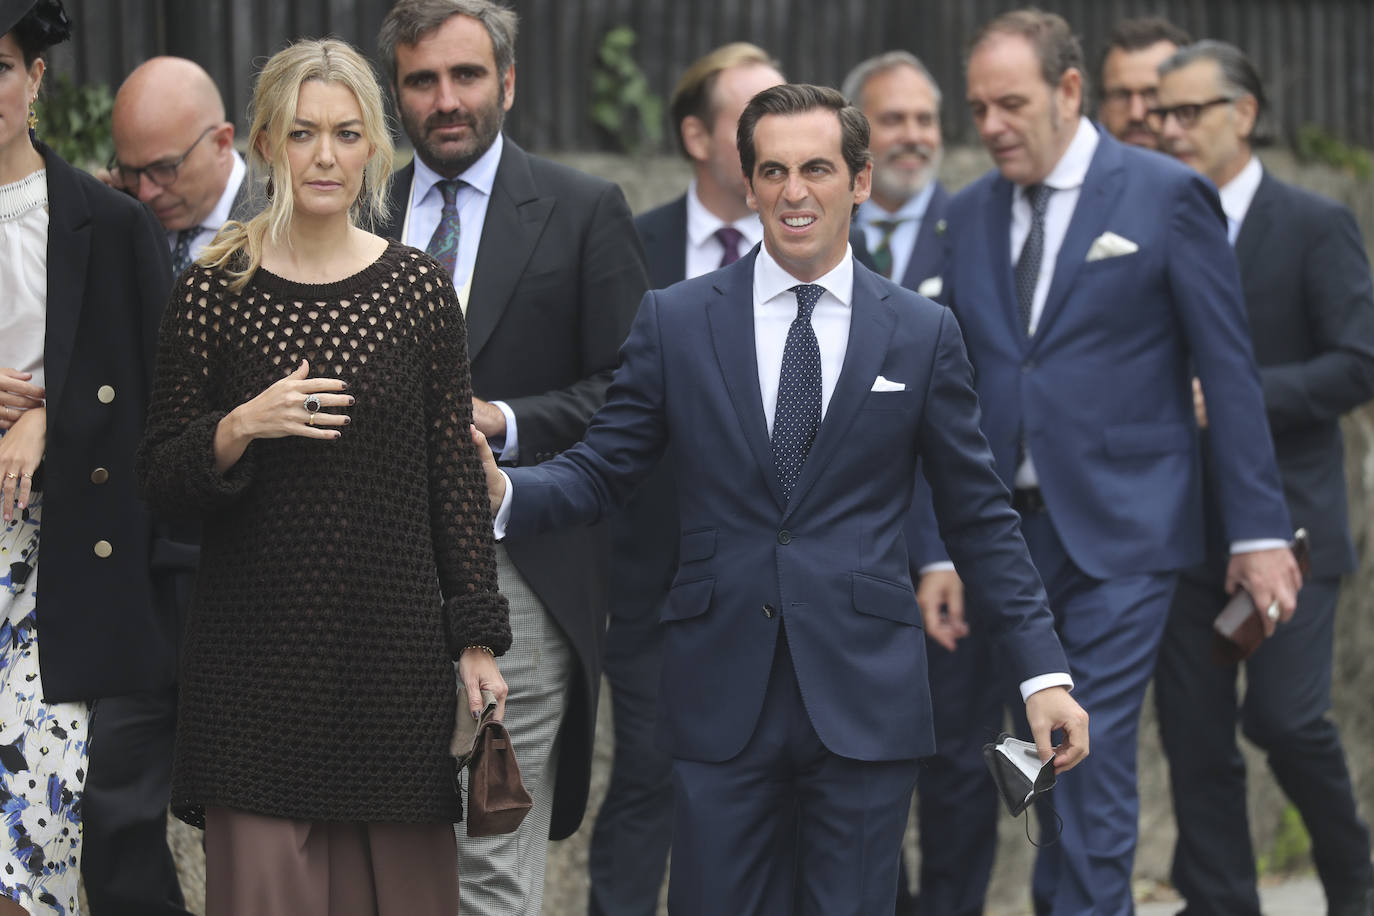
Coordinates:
1239 629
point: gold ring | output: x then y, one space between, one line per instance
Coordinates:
11 476
310 420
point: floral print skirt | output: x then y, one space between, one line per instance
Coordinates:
42 745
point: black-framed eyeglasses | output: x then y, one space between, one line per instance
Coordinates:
1186 115
161 174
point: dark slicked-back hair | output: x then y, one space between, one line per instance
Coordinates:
1239 76
410 20
695 94
1139 34
1050 36
799 98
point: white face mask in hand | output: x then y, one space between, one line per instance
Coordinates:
1020 776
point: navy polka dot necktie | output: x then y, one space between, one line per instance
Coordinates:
443 244
181 254
1028 264
798 413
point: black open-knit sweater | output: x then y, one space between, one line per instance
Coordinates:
338 579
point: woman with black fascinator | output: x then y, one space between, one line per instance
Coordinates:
84 277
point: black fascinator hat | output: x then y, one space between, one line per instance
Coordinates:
39 24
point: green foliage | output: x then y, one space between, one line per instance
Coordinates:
1292 849
1317 145
622 103
75 121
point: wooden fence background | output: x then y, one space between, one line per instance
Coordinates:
1317 55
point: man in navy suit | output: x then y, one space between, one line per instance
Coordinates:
1089 279
708 227
1311 309
794 392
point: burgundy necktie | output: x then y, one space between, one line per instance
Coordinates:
729 238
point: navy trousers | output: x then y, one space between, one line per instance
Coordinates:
787 827
1284 712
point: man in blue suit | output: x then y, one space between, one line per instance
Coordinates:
1311 308
794 392
1090 279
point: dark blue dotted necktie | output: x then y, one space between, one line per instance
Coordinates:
443 244
797 415
1028 264
181 254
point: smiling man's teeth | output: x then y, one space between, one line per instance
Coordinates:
799 221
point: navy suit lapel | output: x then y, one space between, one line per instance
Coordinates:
1096 198
1255 227
731 317
398 200
927 254
69 236
998 244
665 244
870 328
516 216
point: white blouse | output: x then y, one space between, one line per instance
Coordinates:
24 273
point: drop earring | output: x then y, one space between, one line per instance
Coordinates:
33 116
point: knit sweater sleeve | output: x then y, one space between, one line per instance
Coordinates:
176 460
476 614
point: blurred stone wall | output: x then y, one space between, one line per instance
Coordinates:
653 181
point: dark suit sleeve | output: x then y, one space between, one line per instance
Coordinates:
1339 300
612 280
1205 285
624 443
976 522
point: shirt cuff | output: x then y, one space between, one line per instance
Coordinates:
1256 544
1042 681
509 449
941 566
502 517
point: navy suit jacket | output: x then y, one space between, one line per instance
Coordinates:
1103 389
928 254
831 562
1310 303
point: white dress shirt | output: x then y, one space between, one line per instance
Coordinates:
704 250
903 241
426 206
218 216
1238 194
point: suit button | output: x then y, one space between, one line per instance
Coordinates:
769 611
784 537
105 394
99 475
103 549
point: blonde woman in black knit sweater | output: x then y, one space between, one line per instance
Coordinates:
312 405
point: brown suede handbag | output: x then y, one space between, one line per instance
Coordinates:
497 800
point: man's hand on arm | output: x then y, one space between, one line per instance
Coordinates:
488 419
1269 576
496 481
940 595
1053 709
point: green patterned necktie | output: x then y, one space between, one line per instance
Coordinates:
882 255
443 244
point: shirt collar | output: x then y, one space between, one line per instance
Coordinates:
481 175
914 210
1072 168
1239 192
220 215
770 279
702 223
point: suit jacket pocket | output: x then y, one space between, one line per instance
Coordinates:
697 545
1130 440
688 599
895 601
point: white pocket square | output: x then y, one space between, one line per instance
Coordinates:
882 384
931 287
1110 245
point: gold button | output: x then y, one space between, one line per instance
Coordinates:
105 394
103 549
99 475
